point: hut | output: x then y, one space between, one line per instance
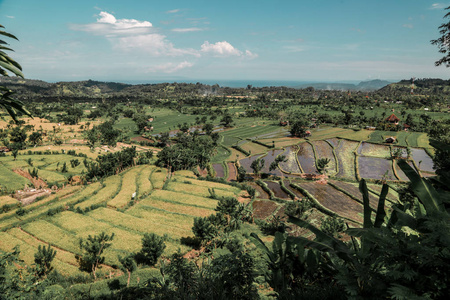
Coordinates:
393 119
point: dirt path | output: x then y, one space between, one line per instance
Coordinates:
30 199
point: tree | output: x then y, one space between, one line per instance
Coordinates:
257 165
7 64
322 164
152 248
43 259
298 128
242 173
128 264
443 42
141 121
208 128
93 248
227 120
278 159
35 138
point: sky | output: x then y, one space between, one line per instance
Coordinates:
137 40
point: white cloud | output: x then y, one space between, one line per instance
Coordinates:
225 49
121 23
410 26
191 29
173 11
220 49
439 5
132 35
171 67
152 44
250 55
10 17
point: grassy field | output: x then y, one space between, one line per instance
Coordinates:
128 188
11 181
111 186
169 213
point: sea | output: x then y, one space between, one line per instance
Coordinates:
227 83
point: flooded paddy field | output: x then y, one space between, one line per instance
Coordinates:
375 168
422 160
220 171
324 150
334 142
306 158
260 193
276 189
334 200
291 164
354 190
375 150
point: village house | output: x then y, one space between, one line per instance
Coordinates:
393 119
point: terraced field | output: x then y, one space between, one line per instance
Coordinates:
346 159
306 159
335 200
291 165
167 213
324 150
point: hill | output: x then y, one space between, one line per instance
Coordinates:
371 85
423 86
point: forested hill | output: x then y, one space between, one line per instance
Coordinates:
423 86
36 89
370 85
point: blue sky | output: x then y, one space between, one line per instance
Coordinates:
315 40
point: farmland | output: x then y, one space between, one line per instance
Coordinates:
164 197
167 213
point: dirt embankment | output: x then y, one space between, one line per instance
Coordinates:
28 195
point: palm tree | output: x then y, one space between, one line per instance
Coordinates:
7 64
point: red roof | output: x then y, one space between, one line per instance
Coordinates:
392 118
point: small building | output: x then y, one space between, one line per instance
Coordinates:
284 123
307 133
370 128
390 140
4 149
406 127
393 119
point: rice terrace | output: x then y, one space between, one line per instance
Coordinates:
161 186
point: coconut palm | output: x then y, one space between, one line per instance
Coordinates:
7 64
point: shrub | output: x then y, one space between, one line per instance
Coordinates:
152 248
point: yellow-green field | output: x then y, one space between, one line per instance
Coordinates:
169 213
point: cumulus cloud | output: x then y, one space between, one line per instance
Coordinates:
439 5
107 24
131 34
191 29
171 67
225 49
410 26
220 49
121 23
153 44
173 11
